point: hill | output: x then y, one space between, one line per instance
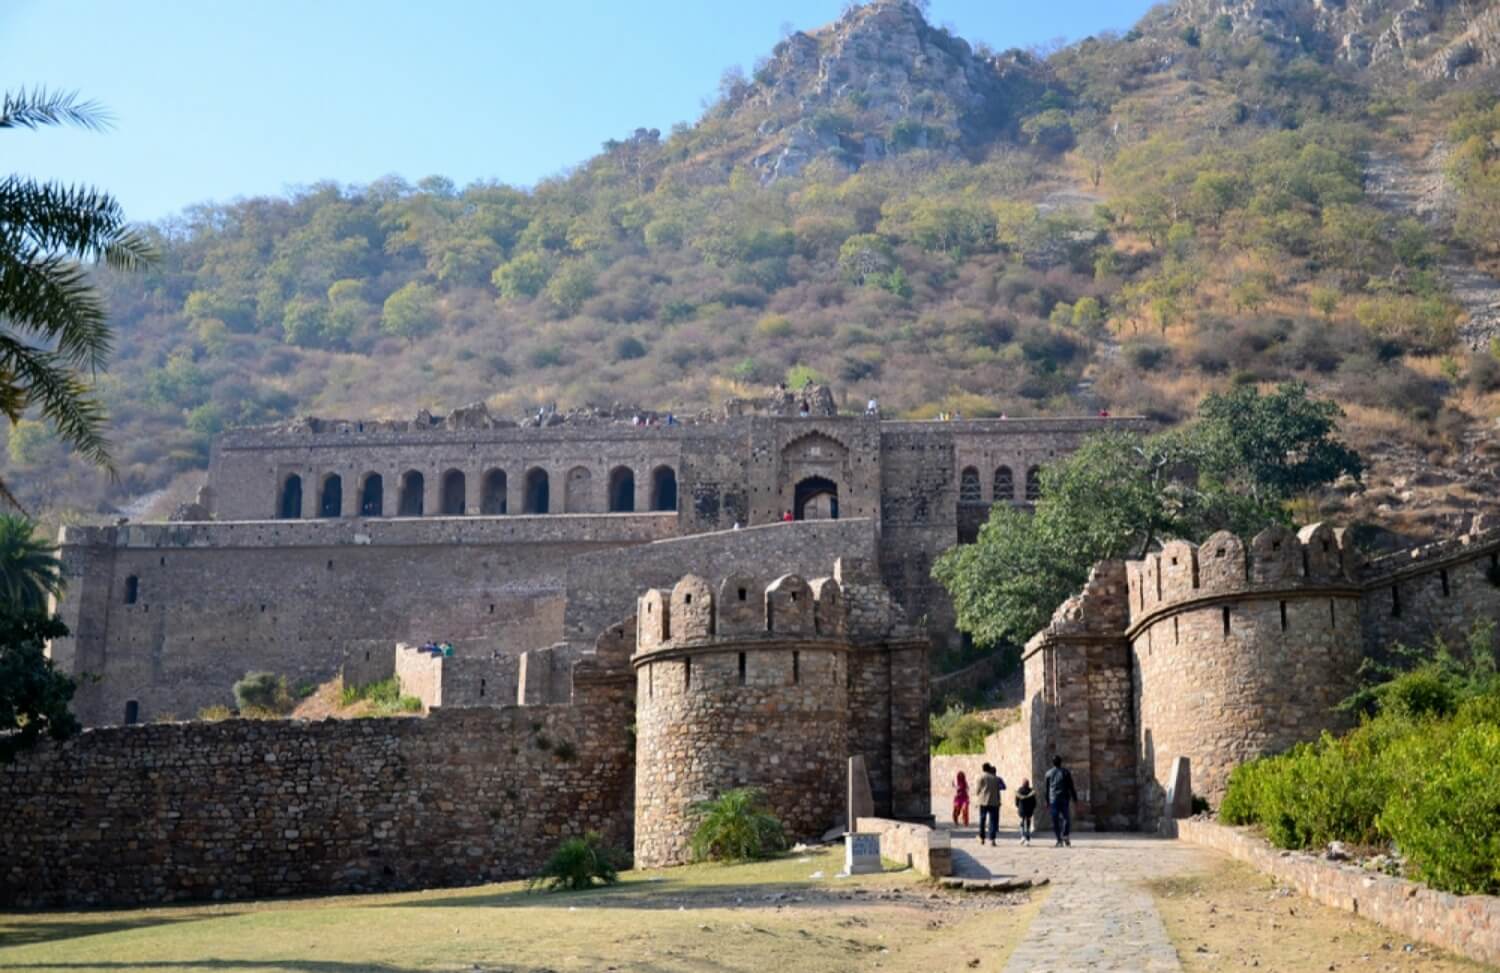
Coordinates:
1232 192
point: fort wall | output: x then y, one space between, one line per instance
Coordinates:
243 809
169 616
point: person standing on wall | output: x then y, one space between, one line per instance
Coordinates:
988 791
1060 797
1025 808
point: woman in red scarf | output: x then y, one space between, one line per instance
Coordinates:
961 799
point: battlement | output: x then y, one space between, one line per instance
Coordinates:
1275 560
696 614
1482 539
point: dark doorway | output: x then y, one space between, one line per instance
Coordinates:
492 502
132 712
331 502
664 488
132 590
538 492
454 487
817 498
372 497
291 498
621 490
412 485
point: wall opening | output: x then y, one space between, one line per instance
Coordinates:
621 490
1226 619
132 590
455 489
1176 633
412 487
687 673
744 594
663 489
290 506
1005 485
1443 577
481 687
538 492
577 491
492 493
796 667
969 490
331 501
816 498
1395 601
1283 616
1333 615
372 496
132 712
742 668
1034 484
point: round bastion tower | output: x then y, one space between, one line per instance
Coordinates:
746 686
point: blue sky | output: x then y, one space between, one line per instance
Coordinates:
215 100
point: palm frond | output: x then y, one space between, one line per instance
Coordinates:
62 398
38 107
77 221
11 497
49 295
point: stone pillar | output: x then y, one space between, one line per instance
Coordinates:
312 492
351 494
432 493
473 491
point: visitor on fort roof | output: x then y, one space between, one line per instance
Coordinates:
805 410
873 408
1060 797
1026 808
961 800
988 791
786 517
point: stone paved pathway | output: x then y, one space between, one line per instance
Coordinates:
1097 916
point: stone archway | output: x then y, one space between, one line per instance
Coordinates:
816 498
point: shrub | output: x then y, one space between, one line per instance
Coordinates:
213 714
579 863
384 697
1147 356
737 826
263 691
957 731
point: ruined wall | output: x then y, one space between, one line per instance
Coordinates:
307 599
1238 651
241 809
1439 590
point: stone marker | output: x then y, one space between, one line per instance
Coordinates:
861 798
861 854
1180 790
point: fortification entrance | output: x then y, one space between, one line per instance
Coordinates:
817 498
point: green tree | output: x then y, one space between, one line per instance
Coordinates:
1120 494
410 312
34 695
524 276
573 284
29 568
304 322
54 322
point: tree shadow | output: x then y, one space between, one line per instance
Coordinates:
662 895
47 932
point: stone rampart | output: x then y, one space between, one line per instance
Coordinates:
170 615
1466 925
243 809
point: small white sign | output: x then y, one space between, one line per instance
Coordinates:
861 854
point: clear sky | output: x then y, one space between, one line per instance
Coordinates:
216 99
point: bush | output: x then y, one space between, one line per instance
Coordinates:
737 826
384 697
213 714
265 692
957 731
577 864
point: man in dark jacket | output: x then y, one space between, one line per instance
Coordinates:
1060 797
988 792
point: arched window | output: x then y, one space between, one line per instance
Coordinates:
1034 484
577 491
538 496
412 485
969 490
492 496
664 488
372 496
132 590
290 507
454 487
331 499
621 490
1005 485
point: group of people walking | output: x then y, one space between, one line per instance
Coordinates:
1060 794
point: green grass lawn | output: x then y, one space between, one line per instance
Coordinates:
768 918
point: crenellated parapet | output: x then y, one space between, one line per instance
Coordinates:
1277 560
694 614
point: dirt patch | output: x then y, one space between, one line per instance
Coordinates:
1233 917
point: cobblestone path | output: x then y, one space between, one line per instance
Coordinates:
1096 916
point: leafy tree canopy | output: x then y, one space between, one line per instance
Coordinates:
1121 494
34 695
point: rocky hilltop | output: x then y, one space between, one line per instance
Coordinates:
1453 39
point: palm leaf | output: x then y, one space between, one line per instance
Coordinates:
62 398
40 107
52 296
77 221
